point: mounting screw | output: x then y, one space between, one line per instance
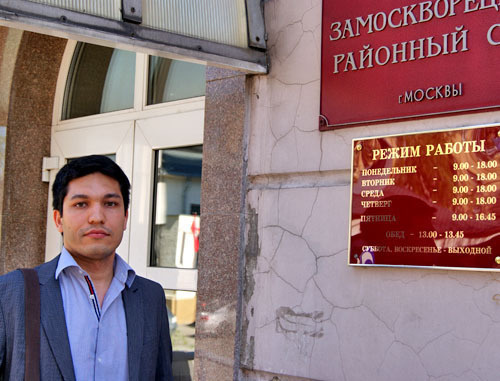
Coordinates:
497 260
359 147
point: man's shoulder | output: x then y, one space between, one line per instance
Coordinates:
11 288
13 278
150 291
142 282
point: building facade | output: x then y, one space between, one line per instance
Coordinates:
275 297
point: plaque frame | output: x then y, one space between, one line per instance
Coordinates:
496 251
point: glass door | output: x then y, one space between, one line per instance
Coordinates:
165 227
165 218
147 113
115 140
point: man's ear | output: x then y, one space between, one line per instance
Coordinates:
58 220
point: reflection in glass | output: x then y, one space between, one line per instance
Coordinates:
171 80
176 221
100 80
181 307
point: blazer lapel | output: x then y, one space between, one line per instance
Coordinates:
135 325
53 320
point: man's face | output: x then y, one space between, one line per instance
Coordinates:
93 218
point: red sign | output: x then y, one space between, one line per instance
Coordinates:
430 199
400 59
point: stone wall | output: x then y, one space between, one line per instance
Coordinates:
306 312
29 122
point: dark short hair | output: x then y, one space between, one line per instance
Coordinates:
84 166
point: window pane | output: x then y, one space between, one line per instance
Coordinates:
100 80
171 80
181 307
176 221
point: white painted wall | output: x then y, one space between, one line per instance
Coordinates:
311 315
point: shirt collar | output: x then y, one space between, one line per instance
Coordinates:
122 271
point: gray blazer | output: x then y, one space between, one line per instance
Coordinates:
148 338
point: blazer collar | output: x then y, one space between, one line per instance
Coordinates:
132 303
54 323
53 320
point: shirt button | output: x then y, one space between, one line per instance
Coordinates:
99 360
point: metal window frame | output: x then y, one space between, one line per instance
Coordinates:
27 15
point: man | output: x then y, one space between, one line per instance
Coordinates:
99 321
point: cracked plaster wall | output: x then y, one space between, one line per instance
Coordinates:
308 313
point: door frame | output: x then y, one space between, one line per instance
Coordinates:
132 135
